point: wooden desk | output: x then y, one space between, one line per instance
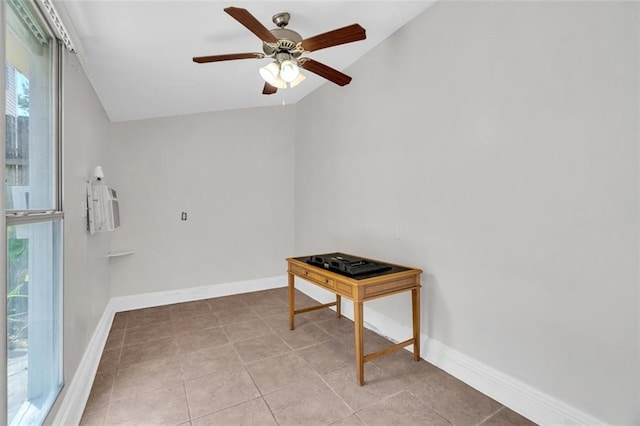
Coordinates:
397 280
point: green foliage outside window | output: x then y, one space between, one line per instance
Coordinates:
18 291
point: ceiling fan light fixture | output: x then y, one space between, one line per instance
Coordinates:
279 83
269 73
298 80
289 70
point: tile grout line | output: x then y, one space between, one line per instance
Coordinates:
431 408
491 415
336 394
222 409
262 396
186 397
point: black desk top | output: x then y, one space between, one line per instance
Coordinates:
393 268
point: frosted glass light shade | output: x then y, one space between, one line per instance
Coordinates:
279 83
269 73
275 73
298 80
289 71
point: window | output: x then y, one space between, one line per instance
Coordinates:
33 216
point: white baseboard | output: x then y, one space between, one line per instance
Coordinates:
515 394
147 300
510 392
75 399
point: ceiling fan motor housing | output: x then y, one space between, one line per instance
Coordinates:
287 42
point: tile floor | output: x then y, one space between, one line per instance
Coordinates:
233 361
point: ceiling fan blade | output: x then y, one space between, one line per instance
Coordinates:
325 71
227 57
343 35
251 23
269 89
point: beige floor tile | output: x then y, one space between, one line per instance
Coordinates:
280 371
177 315
146 376
235 315
208 361
318 315
148 351
251 413
259 297
165 406
115 339
195 340
377 387
303 301
308 403
109 361
98 402
191 321
271 307
304 335
261 347
328 356
225 302
247 330
120 320
94 415
352 420
195 306
372 342
339 328
281 293
148 316
507 417
208 394
456 401
401 409
101 390
401 363
280 322
148 332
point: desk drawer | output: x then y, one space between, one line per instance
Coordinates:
313 277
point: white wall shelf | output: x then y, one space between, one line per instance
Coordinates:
119 253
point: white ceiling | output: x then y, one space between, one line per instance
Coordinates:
137 54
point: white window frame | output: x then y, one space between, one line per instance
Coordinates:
27 412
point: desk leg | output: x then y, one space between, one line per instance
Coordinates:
292 301
338 305
358 325
415 307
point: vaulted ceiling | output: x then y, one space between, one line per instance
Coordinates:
138 54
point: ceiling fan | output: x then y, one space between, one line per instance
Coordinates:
286 48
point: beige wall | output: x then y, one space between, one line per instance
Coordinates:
232 172
495 146
86 267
